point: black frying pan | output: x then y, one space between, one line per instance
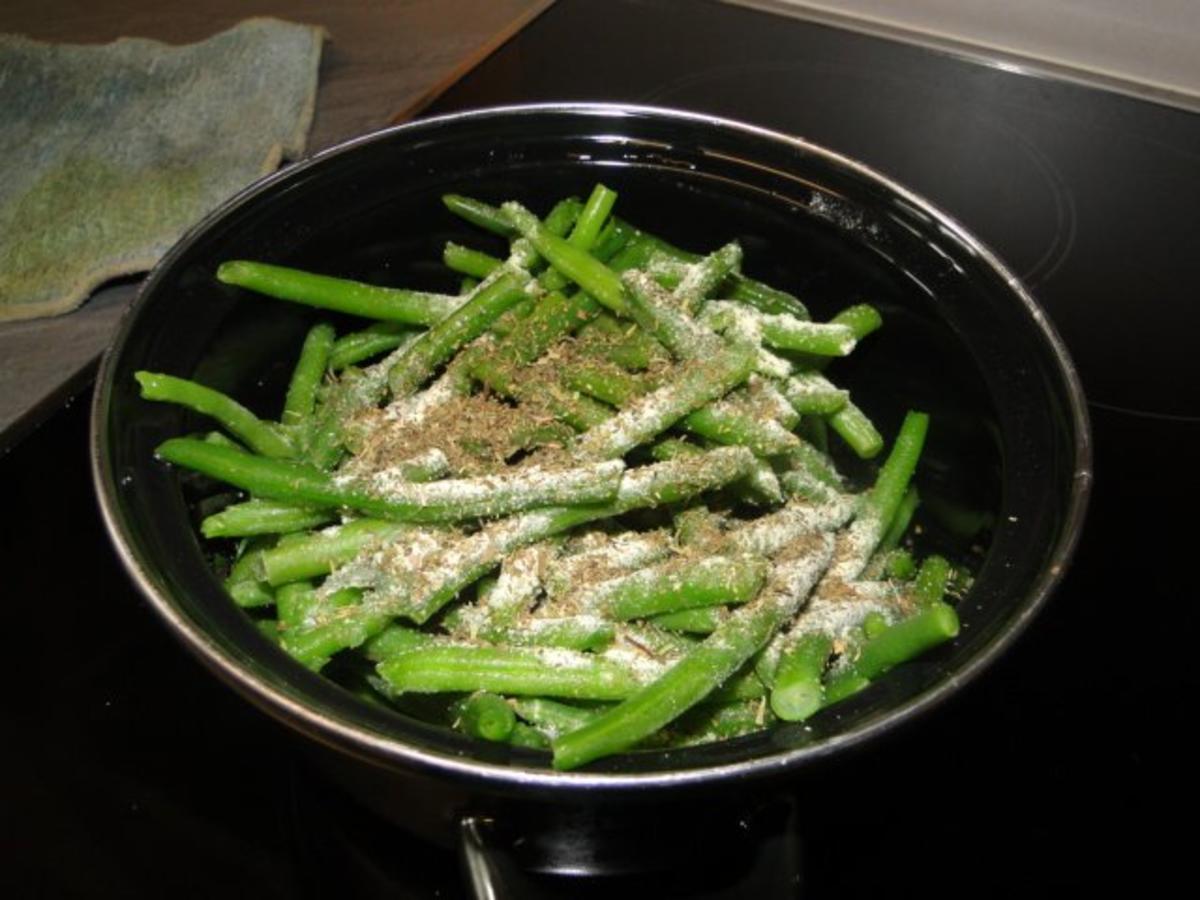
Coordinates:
963 340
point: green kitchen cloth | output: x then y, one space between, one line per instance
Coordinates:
108 153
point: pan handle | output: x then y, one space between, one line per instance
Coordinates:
490 873
757 843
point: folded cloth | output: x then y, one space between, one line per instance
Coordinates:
111 152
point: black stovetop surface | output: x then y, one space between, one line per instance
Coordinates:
130 772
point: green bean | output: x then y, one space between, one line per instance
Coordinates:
478 213
268 628
292 602
932 578
726 423
502 600
560 219
260 436
742 685
576 410
899 523
467 261
563 215
607 383
672 586
339 294
761 487
804 457
701 620
698 674
581 267
355 391
861 319
659 644
843 685
695 386
523 671
394 640
891 485
615 555
313 647
853 427
319 553
353 348
765 298
572 632
797 692
488 496
703 276
655 252
896 564
775 532
223 440
310 369
554 316
788 332
674 448
612 239
901 566
811 393
298 601
815 431
417 363
249 594
879 505
933 625
874 624
255 517
428 466
800 482
486 716
654 311
245 583
494 220
587 222
636 351
697 526
722 722
359 390
440 501
834 338
513 318
529 737
591 219
552 717
644 487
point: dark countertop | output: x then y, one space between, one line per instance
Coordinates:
1064 766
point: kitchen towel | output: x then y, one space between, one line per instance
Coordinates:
108 153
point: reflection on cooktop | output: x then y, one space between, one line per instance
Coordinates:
994 174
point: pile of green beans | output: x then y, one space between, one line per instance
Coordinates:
656 558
